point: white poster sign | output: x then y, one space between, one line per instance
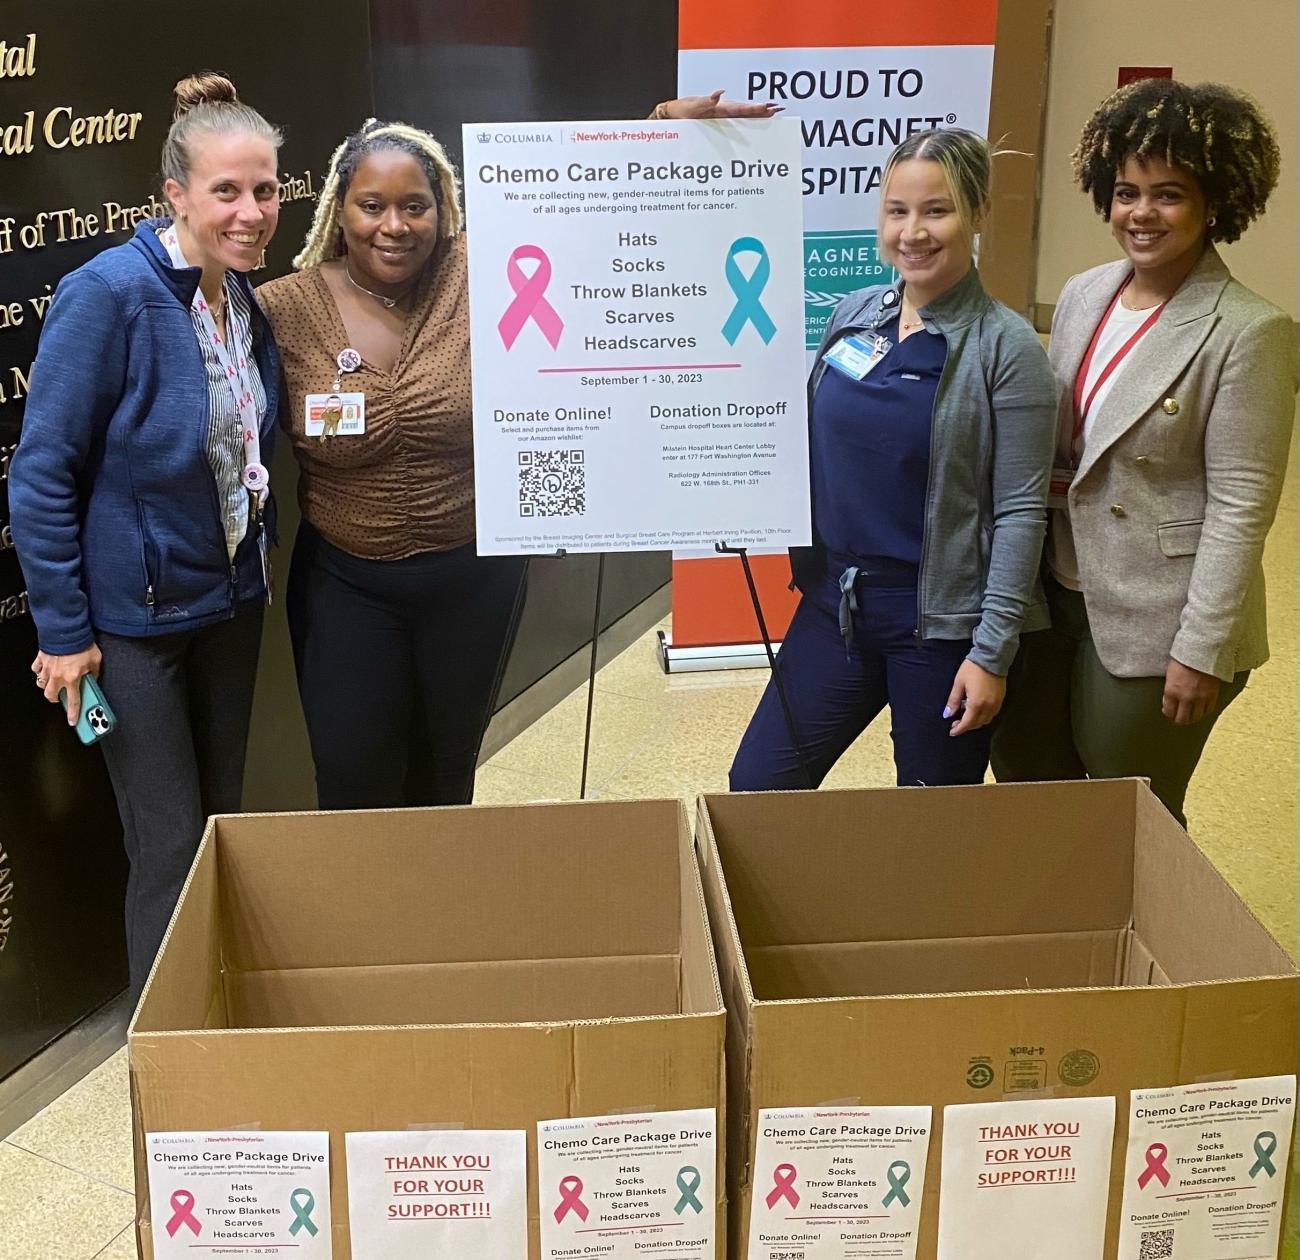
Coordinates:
239 1194
1206 1169
1026 1180
636 323
455 1193
838 1184
628 1186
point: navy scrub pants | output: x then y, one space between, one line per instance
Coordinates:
836 689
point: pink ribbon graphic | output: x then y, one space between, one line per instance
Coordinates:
783 1176
1157 1153
182 1213
571 1199
530 299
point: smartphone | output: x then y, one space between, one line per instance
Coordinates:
96 719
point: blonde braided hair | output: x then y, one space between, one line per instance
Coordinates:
325 239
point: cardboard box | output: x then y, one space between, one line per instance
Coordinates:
480 967
956 945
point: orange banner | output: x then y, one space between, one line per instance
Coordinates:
711 604
833 24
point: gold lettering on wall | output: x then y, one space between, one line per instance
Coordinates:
18 60
6 898
60 128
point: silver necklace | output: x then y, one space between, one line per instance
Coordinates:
387 302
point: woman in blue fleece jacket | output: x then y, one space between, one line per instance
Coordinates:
139 494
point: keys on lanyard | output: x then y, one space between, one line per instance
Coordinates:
337 413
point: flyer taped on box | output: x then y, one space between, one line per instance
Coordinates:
627 1186
842 1183
445 1192
240 1193
1206 1169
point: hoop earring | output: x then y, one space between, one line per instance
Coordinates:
1211 221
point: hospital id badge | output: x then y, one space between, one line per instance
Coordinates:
856 355
1058 486
335 415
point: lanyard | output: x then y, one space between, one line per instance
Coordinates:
254 477
1081 404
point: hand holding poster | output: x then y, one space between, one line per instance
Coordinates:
1206 1169
1026 1180
636 324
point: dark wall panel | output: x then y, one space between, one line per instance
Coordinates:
62 871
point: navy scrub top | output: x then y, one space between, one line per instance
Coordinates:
870 451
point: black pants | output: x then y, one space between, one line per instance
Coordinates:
183 703
398 666
836 691
1067 718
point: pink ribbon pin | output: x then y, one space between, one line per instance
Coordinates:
1157 1153
530 299
783 1176
571 1199
182 1213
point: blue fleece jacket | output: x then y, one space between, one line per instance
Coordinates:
114 507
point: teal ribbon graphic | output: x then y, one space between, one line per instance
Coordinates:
899 1174
303 1202
1264 1151
688 1187
748 308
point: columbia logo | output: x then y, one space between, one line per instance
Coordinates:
484 137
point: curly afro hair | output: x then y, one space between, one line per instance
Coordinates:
1219 135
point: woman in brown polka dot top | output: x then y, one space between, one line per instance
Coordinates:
399 628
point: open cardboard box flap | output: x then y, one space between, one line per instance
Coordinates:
481 967
952 945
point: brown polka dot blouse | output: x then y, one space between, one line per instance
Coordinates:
406 484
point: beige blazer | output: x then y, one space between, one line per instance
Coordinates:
1180 478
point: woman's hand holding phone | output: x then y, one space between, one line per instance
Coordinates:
55 674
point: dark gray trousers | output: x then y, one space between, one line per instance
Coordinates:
1067 718
182 703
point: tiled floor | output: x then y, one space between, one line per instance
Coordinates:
66 1177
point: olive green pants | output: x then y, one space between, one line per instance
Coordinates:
1065 717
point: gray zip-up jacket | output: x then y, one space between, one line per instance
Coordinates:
991 443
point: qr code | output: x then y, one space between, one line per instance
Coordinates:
552 483
1157 1244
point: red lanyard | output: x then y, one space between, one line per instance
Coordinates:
1081 404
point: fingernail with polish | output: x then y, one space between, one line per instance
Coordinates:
947 712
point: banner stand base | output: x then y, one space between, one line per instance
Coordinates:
687 660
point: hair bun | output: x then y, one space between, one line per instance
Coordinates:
207 87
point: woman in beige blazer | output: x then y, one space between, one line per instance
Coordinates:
1177 399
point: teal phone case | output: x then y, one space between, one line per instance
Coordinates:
96 719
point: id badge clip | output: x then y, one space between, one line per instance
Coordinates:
856 354
335 415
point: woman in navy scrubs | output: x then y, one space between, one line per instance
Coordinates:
932 414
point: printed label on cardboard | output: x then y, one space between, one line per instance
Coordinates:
240 1194
452 1192
1205 1174
838 1182
1022 1180
628 1186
